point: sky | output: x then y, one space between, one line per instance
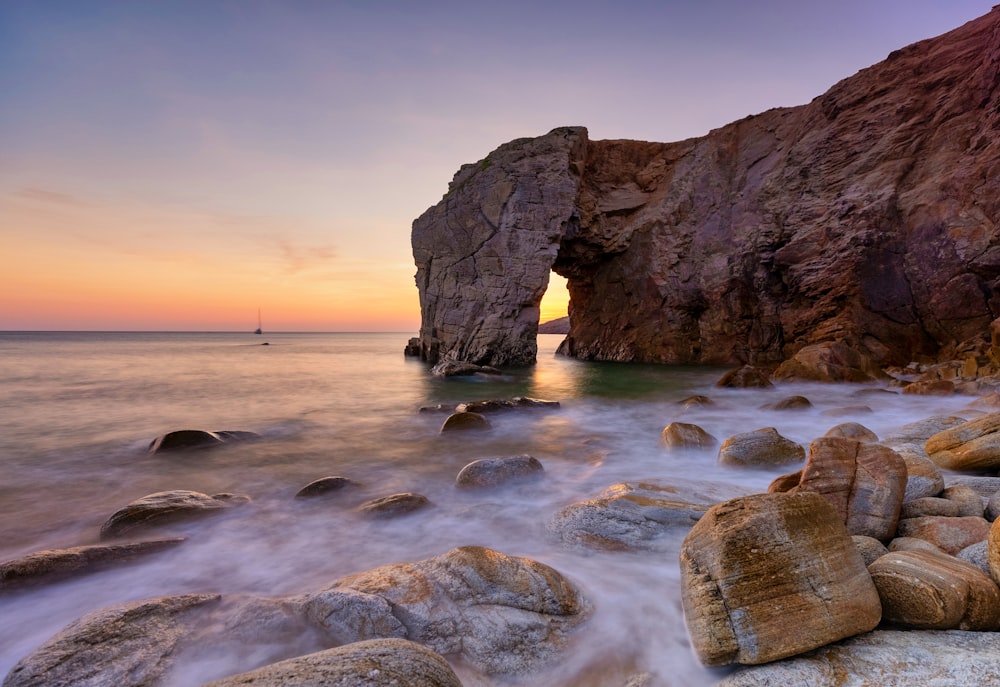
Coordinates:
181 164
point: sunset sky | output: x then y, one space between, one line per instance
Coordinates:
176 164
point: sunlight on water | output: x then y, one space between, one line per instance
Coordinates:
78 411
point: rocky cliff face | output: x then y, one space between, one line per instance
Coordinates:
868 216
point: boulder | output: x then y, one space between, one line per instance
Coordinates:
993 550
126 646
465 421
752 563
929 505
864 482
461 368
938 387
686 435
515 403
324 486
492 472
951 535
969 502
500 614
627 516
978 555
886 658
394 505
746 377
829 361
166 507
789 403
912 544
370 663
924 477
853 430
56 564
929 590
973 446
993 507
197 439
985 486
869 548
761 447
696 401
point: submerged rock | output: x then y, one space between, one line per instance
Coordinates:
752 563
492 472
515 403
465 421
325 486
56 564
627 516
458 368
686 435
197 439
371 663
167 507
394 505
501 614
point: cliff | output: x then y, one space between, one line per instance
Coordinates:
867 216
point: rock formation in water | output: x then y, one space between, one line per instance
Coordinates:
867 216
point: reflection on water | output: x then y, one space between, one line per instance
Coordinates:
77 411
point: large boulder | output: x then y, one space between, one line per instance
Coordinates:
126 646
627 516
371 663
56 564
886 658
752 563
829 362
864 482
950 534
761 447
165 507
929 590
973 446
501 614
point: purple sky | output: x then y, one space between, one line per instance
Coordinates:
275 153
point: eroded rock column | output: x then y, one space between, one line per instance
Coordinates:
484 253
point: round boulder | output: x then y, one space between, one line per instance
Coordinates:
492 472
325 486
853 430
372 663
394 505
973 446
465 421
686 435
746 377
760 447
166 507
951 535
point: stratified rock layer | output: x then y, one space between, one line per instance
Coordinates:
866 217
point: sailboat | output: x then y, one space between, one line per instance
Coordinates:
258 330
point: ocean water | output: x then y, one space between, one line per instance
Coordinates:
78 410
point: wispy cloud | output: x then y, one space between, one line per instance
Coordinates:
44 195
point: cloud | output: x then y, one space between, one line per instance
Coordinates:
299 258
42 195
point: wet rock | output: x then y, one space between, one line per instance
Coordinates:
969 502
789 403
685 435
627 516
371 663
746 377
951 535
760 447
324 486
846 411
930 388
492 472
973 446
515 403
978 555
886 658
697 401
752 563
853 430
928 590
166 507
57 564
929 505
912 544
458 368
865 483
829 362
499 613
465 421
185 440
129 645
394 505
869 548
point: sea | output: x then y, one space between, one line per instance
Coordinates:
78 411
